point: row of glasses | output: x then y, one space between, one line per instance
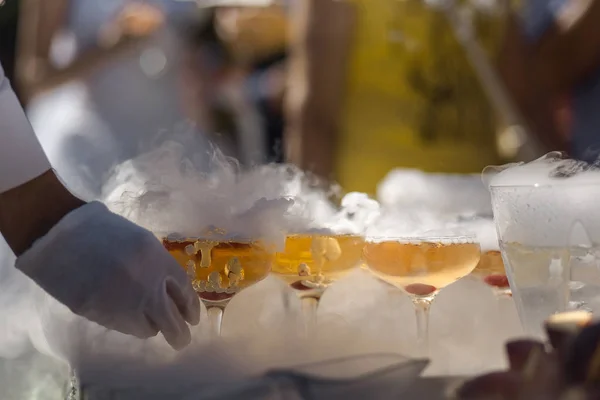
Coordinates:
219 269
311 263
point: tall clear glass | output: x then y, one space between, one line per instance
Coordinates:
547 216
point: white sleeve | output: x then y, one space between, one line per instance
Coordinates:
21 155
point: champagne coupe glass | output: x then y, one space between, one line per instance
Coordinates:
490 270
421 267
310 263
220 268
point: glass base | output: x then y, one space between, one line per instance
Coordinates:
422 305
73 391
502 292
303 291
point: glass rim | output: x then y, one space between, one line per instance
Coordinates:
534 186
422 238
324 234
240 240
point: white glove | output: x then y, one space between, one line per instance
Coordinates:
115 273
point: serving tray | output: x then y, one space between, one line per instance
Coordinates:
382 378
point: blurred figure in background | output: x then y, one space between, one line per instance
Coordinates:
235 64
9 16
379 84
101 77
206 68
551 63
257 39
536 104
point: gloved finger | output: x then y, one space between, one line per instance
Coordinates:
153 327
186 300
168 319
136 324
141 327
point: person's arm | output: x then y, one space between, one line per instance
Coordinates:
41 21
98 264
32 199
30 210
533 99
321 38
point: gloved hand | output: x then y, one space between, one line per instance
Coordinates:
115 273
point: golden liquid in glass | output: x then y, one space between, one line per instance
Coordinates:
317 260
421 268
491 269
219 269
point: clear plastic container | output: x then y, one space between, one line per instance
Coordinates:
548 222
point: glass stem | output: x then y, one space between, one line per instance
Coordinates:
422 306
215 319
502 293
309 311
